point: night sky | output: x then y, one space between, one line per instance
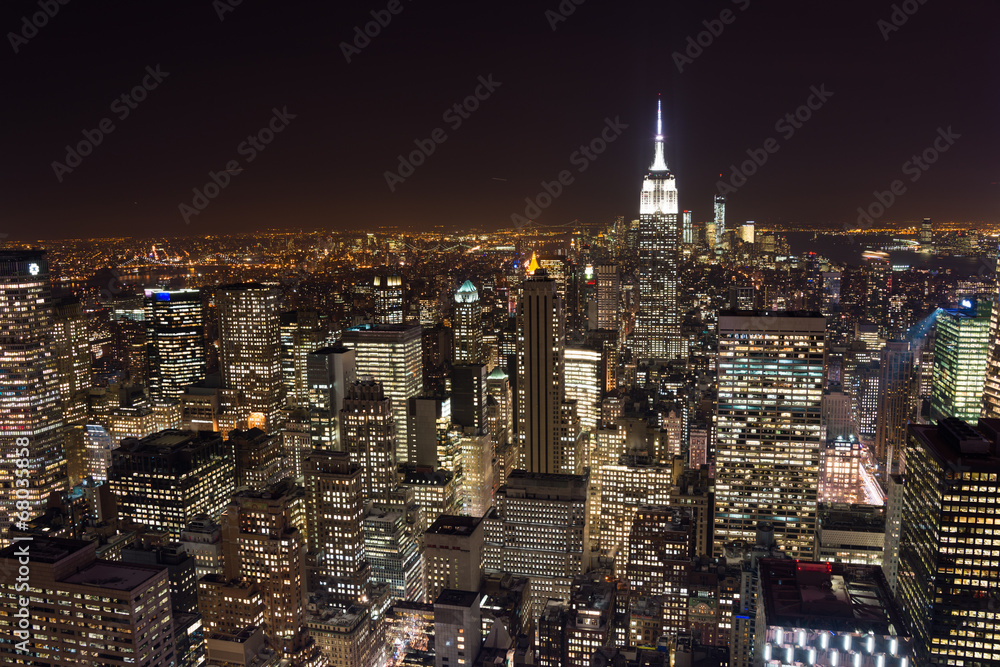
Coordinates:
607 60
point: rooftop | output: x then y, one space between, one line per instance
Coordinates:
829 596
456 598
454 524
114 575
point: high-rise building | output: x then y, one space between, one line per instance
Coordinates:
660 549
539 530
30 419
453 554
878 282
896 403
947 584
388 290
719 216
250 350
175 340
301 333
687 230
926 233
961 343
584 384
329 372
771 379
392 355
608 289
476 487
82 610
548 428
657 333
392 554
468 326
468 395
369 437
991 384
262 543
167 479
334 512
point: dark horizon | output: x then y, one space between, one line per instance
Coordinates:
209 83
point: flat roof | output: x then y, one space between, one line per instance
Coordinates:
454 524
829 596
114 575
45 549
456 598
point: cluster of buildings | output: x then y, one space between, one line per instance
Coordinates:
661 444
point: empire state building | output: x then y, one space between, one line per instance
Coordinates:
657 335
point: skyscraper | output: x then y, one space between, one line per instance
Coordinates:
334 511
133 617
369 437
771 379
468 325
388 299
539 530
175 340
607 296
947 585
30 421
329 372
961 345
991 386
261 543
927 233
896 400
250 349
657 334
391 354
719 210
167 479
547 426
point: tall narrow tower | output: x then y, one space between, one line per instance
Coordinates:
658 324
468 325
30 415
175 339
547 426
991 387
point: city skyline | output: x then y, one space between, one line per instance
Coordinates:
579 335
325 165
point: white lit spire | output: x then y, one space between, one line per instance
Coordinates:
659 159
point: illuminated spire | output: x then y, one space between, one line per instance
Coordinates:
659 160
533 264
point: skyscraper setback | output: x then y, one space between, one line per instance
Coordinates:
657 334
